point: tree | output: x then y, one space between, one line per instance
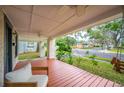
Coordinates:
70 40
38 47
116 30
98 36
108 33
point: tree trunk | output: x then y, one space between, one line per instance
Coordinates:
38 48
116 42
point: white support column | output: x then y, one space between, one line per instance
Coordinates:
51 49
42 49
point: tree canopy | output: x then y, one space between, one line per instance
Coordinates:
107 33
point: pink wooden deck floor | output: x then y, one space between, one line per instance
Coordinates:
65 75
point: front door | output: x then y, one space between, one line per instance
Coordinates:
8 47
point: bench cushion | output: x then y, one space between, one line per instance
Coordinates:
20 75
41 80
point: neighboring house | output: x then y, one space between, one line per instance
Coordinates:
79 45
27 46
83 45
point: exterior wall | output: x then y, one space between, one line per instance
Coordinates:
14 59
1 48
23 47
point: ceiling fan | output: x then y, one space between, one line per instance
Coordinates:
80 10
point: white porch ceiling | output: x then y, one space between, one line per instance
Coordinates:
48 21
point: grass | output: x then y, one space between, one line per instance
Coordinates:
29 55
87 48
90 47
101 58
115 50
102 69
104 59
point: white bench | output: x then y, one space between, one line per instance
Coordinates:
23 78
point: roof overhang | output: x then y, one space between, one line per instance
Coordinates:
38 22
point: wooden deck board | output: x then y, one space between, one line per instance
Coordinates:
61 78
71 80
116 85
103 83
90 81
65 75
83 81
109 84
77 80
96 82
69 77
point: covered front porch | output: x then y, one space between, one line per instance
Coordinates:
64 75
43 24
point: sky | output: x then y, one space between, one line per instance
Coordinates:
78 38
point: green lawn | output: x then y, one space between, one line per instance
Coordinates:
102 69
115 50
87 48
29 55
101 58
104 59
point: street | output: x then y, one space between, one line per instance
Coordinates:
97 52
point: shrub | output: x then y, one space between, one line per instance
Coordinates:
64 48
93 59
79 59
70 61
87 53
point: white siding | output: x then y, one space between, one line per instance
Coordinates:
1 48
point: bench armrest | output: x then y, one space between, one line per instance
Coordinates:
20 84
